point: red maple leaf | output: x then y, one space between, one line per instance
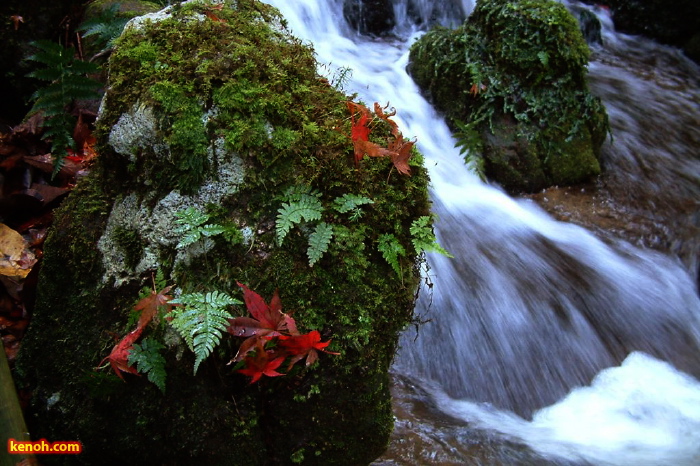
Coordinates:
359 132
148 306
119 356
399 150
400 154
261 362
303 346
268 321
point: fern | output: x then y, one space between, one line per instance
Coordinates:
423 238
348 202
68 83
391 249
106 28
471 146
202 321
191 226
297 192
149 361
319 241
307 208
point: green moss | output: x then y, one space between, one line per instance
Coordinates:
130 243
515 72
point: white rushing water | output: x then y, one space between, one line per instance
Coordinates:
532 315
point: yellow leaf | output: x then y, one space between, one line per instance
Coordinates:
16 260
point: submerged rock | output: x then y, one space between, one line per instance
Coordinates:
512 82
216 107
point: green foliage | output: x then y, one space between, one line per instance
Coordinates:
338 77
391 250
105 28
304 204
67 82
523 60
148 360
192 226
471 146
319 241
202 321
423 238
348 202
303 207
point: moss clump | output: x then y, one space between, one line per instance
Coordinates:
222 110
130 243
518 65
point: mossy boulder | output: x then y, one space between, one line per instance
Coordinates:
512 83
216 107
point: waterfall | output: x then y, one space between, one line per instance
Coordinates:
535 317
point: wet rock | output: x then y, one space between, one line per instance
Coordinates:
372 17
512 83
220 109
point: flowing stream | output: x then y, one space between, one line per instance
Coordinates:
542 344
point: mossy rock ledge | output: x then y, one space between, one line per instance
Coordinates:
511 81
216 106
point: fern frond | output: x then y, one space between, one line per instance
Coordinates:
423 238
46 74
51 54
391 249
319 241
189 218
191 226
307 208
67 84
348 202
149 361
212 229
202 321
106 27
297 192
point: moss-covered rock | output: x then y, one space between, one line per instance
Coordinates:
217 107
512 81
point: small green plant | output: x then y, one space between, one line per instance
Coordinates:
302 204
351 203
193 226
471 146
68 82
148 360
201 321
318 242
104 28
391 250
423 238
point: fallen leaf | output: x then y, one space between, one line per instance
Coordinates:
261 362
16 260
118 357
267 321
303 346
